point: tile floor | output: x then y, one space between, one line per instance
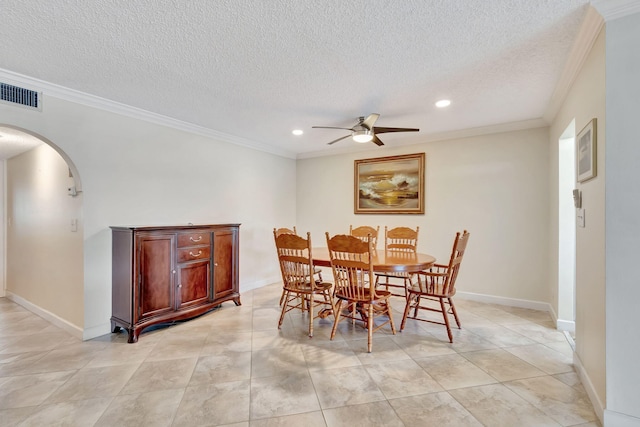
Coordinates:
233 367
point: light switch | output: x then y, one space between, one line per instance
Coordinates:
74 224
580 217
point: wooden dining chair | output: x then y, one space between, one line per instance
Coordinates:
438 284
301 290
365 230
278 231
402 240
352 266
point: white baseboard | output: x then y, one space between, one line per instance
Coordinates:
588 386
566 325
96 331
512 302
616 419
74 330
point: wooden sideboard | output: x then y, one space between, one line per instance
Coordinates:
162 274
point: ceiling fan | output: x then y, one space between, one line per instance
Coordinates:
365 131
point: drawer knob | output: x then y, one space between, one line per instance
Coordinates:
195 240
180 285
195 255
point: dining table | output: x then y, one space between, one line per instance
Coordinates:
384 261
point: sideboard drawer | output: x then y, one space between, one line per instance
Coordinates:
193 239
191 254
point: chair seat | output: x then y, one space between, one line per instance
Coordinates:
306 287
365 296
434 289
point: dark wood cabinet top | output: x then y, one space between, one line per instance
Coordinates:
170 227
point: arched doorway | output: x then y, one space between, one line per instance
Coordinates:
43 232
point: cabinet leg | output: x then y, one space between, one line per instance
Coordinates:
114 327
133 335
236 300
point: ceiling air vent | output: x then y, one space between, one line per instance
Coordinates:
19 95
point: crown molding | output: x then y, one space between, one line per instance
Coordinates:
614 9
589 30
71 95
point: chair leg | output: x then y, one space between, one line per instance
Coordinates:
370 328
311 297
407 307
415 312
285 295
393 326
446 319
282 296
336 316
455 313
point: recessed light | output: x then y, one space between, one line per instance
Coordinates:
297 132
443 103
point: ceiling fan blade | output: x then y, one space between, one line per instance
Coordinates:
339 139
377 141
387 130
370 120
329 127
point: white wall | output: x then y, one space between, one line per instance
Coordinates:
623 225
137 173
495 186
44 257
2 230
585 100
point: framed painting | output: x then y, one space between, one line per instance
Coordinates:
586 152
389 185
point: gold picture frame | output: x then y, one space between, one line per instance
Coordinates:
586 160
390 185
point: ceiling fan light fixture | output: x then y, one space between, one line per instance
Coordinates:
362 136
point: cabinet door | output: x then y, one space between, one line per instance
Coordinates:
155 290
224 262
194 281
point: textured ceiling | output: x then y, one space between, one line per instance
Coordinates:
256 70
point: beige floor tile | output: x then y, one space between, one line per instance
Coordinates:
309 419
402 378
92 383
277 361
214 404
375 414
160 375
12 417
328 355
500 335
282 395
218 342
496 405
79 413
220 368
421 344
537 332
243 371
30 390
384 348
345 386
434 409
454 371
152 409
543 358
561 402
502 365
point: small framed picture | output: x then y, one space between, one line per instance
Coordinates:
586 152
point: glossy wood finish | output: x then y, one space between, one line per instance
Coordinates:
384 261
163 274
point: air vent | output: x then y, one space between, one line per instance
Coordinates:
19 95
